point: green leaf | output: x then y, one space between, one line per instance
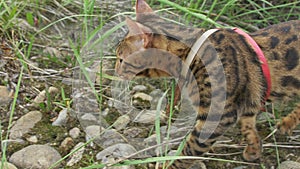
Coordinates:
29 18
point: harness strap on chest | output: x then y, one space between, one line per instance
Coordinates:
254 45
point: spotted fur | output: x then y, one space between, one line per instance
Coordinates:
244 79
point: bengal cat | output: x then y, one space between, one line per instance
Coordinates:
246 84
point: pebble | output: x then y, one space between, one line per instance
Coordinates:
89 119
8 165
139 88
41 97
15 141
108 137
198 165
148 117
157 94
142 96
133 132
32 139
289 165
121 122
77 155
66 144
116 151
105 112
62 118
35 157
74 132
6 95
25 124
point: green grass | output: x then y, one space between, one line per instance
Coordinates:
42 16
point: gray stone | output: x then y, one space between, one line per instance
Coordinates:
7 166
142 96
149 117
107 138
66 144
25 124
74 132
289 165
62 118
157 95
198 165
117 151
89 119
6 95
35 157
139 88
77 156
41 97
111 160
32 139
133 132
121 122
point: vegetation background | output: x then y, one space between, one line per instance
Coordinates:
43 43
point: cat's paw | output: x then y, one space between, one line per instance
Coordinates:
289 122
253 150
251 154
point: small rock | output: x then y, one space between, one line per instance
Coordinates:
133 132
157 94
142 96
62 118
117 151
198 165
121 122
8 166
107 138
35 157
41 97
67 144
139 88
77 156
32 139
74 132
25 124
149 117
111 160
10 142
110 103
89 119
289 165
6 95
105 112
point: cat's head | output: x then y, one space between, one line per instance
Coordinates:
151 31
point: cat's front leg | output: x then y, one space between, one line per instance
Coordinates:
254 146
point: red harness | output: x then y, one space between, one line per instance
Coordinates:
262 59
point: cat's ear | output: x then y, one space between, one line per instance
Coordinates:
137 29
141 7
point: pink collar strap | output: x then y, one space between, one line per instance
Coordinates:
262 59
